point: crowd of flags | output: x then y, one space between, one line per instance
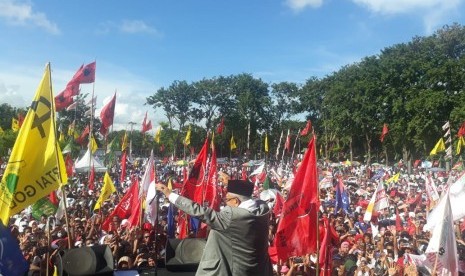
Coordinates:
23 184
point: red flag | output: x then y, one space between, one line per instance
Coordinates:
296 235
146 126
287 145
461 132
20 119
85 74
69 165
244 173
328 238
278 205
53 198
62 101
162 147
92 179
123 168
182 225
107 114
184 174
81 139
135 216
307 128
399 227
220 127
324 261
125 206
211 194
194 186
384 133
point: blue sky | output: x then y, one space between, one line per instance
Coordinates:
143 45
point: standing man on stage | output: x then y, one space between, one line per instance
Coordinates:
238 240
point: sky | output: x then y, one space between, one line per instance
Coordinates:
141 46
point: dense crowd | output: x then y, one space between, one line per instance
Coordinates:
358 247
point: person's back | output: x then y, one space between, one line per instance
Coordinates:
244 244
238 240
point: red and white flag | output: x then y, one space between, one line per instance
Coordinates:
147 177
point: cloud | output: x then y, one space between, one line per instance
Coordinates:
299 5
22 14
128 27
136 26
434 12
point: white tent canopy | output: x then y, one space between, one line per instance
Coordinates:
87 161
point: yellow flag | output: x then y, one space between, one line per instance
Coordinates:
232 143
460 143
107 189
35 165
1 131
157 135
71 128
62 137
440 146
187 140
93 145
55 270
14 124
170 184
266 142
394 178
124 144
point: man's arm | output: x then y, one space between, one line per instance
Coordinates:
216 220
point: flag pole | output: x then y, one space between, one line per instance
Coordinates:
317 218
284 151
57 158
90 131
47 256
295 143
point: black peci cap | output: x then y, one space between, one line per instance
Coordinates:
240 187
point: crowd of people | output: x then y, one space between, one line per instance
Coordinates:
358 247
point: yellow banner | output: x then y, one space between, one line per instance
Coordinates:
35 167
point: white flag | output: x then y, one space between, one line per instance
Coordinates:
151 208
442 247
446 126
378 202
92 101
72 106
431 189
457 198
447 134
145 181
258 170
279 144
61 206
